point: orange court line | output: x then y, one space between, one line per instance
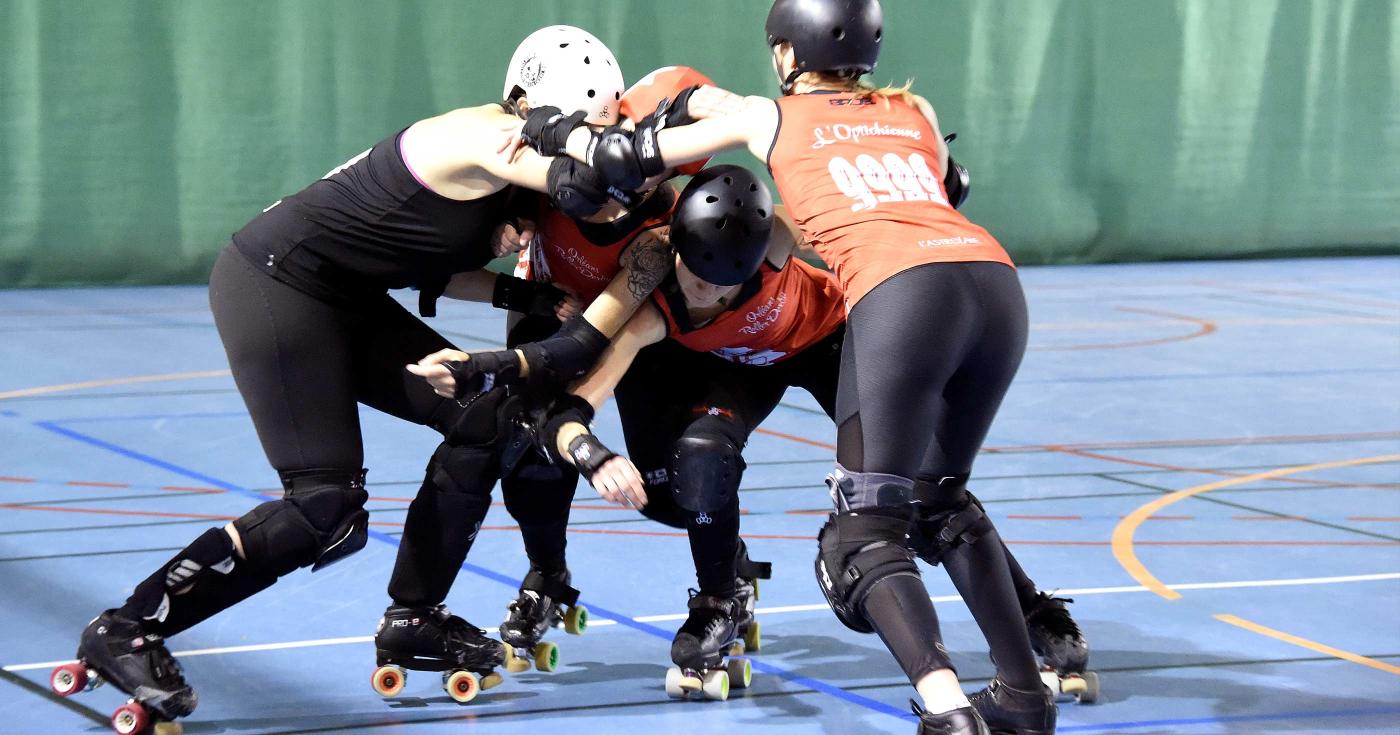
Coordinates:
1124 532
112 381
1204 327
1374 518
17 479
1310 645
795 438
93 483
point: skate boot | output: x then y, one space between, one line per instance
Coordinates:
116 649
705 649
1063 652
433 639
545 601
1010 711
961 721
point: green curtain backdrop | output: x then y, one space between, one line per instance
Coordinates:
136 135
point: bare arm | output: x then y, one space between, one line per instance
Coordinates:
645 262
750 124
455 154
471 286
646 327
927 109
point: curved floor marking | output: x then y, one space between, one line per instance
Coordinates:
1203 328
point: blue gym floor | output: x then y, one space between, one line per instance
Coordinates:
121 438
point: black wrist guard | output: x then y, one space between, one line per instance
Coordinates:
626 159
526 297
675 113
484 371
588 455
570 409
547 129
565 356
957 182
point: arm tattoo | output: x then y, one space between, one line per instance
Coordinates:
647 260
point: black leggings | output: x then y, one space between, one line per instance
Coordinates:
929 355
302 364
671 392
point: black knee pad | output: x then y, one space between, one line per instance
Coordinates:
706 466
485 420
467 470
938 532
320 520
856 551
944 493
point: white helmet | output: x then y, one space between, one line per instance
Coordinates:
568 68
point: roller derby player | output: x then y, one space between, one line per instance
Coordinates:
867 177
300 301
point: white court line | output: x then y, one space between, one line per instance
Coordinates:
601 622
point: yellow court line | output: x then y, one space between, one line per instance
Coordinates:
112 381
1310 645
1123 533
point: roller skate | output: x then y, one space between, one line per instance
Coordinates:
749 572
1010 711
545 601
120 651
706 649
1064 655
433 639
961 721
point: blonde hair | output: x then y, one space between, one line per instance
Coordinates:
904 92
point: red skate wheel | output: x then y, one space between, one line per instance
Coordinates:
130 718
68 679
388 681
462 686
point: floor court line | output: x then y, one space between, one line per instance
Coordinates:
788 609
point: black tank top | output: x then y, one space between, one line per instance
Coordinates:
369 226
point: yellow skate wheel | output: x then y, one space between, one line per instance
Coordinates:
576 620
491 681
1090 694
754 581
167 728
514 663
740 672
462 686
546 656
751 637
674 690
388 681
1072 685
715 685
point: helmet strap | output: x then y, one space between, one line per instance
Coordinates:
791 81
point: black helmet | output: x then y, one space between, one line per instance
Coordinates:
828 35
721 224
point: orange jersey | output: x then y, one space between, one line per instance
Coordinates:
778 314
862 179
582 257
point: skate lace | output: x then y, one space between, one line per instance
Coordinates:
527 604
456 627
1052 615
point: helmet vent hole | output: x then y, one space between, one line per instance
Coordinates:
763 214
753 187
587 60
711 199
617 95
721 223
563 45
592 94
729 180
838 33
879 33
739 203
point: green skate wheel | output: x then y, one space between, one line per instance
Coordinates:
740 672
546 656
752 639
715 685
576 620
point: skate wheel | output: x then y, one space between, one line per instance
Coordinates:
754 582
167 728
514 663
752 639
546 656
491 681
130 718
576 620
462 686
715 685
1090 694
674 690
68 679
388 681
740 672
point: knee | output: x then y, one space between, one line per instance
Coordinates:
320 519
707 466
464 470
940 529
857 553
